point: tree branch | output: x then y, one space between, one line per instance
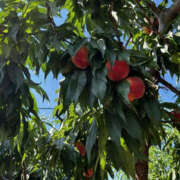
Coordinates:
141 165
165 83
115 22
153 8
24 171
166 16
169 86
143 10
49 14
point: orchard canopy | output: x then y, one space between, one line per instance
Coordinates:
113 55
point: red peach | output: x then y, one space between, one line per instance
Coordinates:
81 148
136 88
80 59
118 71
89 173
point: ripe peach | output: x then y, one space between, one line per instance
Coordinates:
118 71
81 148
136 88
89 173
80 59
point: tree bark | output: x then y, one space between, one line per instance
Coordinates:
165 16
141 166
24 171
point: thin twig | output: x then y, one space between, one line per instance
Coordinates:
59 117
51 20
143 10
115 23
49 14
24 171
45 108
130 37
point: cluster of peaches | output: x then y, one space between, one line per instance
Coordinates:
116 72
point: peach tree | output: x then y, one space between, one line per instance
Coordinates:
113 55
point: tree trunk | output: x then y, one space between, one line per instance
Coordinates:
141 166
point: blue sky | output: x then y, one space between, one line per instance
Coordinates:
50 85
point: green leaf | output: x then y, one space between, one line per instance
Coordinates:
99 82
102 46
60 143
15 75
132 126
177 34
169 105
26 72
163 4
121 158
76 85
123 90
153 110
38 89
110 55
91 139
14 31
60 3
103 137
114 126
69 158
175 58
75 47
120 111
124 55
63 90
87 98
128 120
